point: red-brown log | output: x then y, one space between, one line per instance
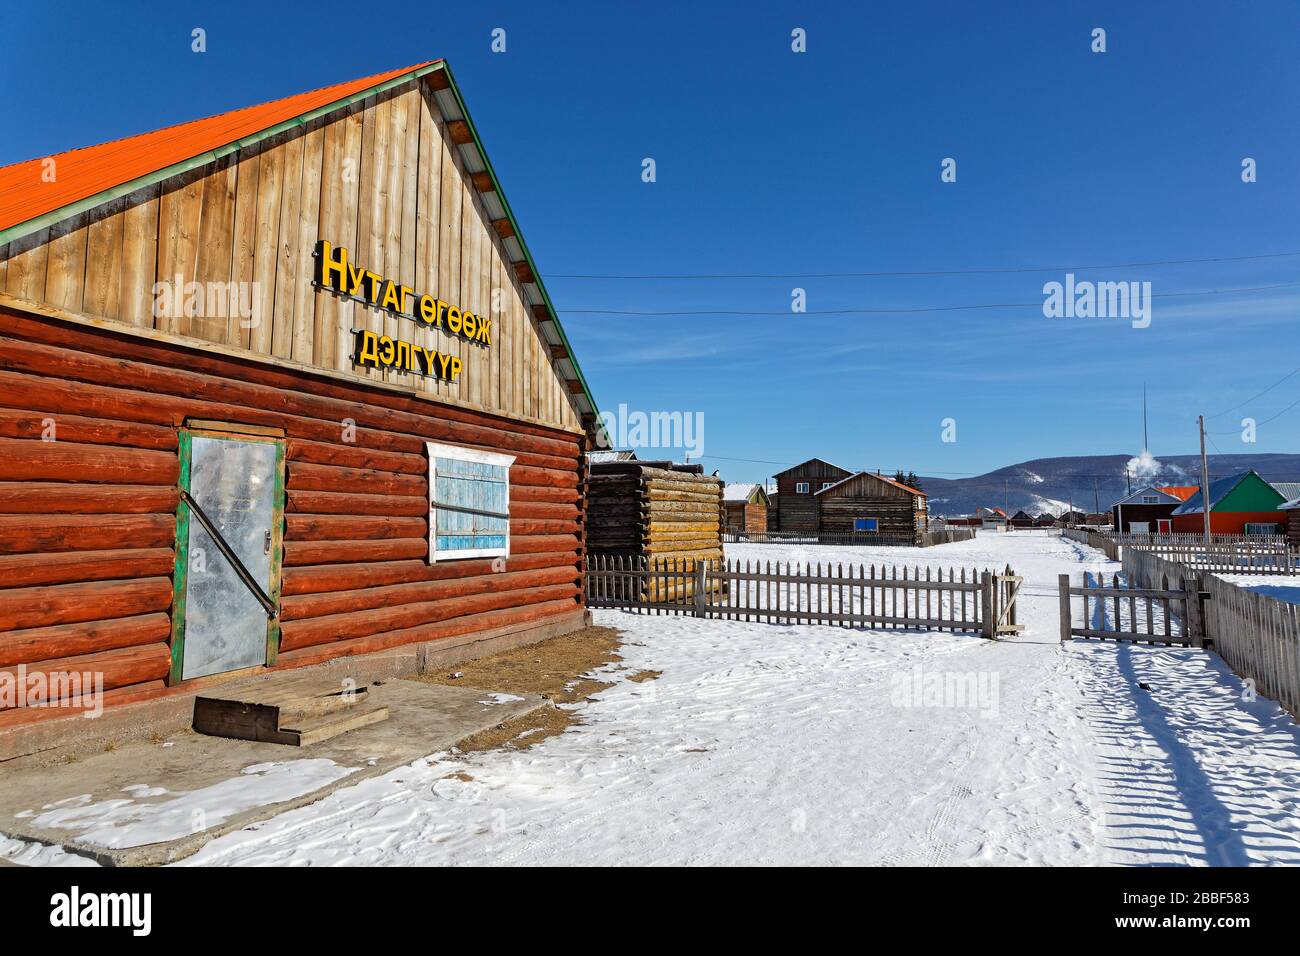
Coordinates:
336 627
350 456
69 640
67 676
341 503
309 477
117 697
533 544
35 392
301 553
343 577
24 534
51 497
349 528
241 386
72 461
301 606
53 426
511 617
68 567
74 603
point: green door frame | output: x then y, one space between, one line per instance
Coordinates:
180 573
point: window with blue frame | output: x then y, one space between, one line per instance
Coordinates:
469 503
866 524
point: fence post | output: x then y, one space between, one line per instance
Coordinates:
1063 582
701 570
1195 605
988 626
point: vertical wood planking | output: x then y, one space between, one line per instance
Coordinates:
243 245
411 180
286 253
449 246
308 228
214 252
103 290
180 208
270 184
140 227
383 180
428 208
65 271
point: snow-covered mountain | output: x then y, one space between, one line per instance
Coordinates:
1088 482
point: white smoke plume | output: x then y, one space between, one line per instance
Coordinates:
1147 467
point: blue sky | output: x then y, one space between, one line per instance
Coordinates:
769 161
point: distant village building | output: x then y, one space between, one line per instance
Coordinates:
1291 508
1239 504
991 518
1045 520
1149 509
745 507
1022 519
870 503
796 504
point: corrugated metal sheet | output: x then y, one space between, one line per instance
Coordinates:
86 172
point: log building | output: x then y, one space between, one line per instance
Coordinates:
276 387
796 506
871 504
745 507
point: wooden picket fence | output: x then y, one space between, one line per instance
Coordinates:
957 599
1258 637
1261 555
1166 602
862 539
1119 611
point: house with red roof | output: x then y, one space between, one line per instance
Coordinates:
306 341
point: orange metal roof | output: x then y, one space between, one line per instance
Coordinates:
1181 492
82 173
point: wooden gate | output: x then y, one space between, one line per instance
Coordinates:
1164 615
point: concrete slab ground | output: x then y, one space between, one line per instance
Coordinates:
153 802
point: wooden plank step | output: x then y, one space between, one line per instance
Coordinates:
311 730
293 710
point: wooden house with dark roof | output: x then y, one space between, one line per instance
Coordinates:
797 510
869 503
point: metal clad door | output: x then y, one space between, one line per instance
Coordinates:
234 482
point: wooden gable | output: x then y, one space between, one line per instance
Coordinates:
386 178
867 485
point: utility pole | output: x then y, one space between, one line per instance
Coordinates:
1205 480
1096 498
1145 445
1128 488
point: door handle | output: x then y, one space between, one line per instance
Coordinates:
266 547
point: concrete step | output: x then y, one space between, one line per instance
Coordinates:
287 709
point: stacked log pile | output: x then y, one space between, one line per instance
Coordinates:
667 514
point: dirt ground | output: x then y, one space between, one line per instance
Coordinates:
553 668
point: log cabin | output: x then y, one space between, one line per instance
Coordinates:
796 508
872 504
278 387
745 507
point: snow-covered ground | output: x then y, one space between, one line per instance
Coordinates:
1283 587
769 744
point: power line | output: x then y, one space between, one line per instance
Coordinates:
1253 397
923 274
902 311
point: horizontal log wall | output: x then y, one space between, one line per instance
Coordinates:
896 515
88 473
